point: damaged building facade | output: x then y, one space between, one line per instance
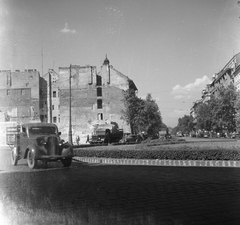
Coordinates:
96 98
19 95
20 98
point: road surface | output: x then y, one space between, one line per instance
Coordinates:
104 194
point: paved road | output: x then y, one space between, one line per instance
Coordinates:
101 194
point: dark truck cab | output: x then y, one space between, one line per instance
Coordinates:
107 133
39 141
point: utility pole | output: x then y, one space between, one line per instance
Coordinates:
42 61
70 107
50 96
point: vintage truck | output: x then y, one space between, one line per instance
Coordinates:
106 133
39 141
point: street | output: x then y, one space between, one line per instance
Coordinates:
103 194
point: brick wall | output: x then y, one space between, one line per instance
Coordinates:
20 94
85 111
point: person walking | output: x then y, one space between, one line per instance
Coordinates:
77 139
87 139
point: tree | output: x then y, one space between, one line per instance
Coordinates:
237 110
141 114
132 106
150 116
218 113
185 125
204 116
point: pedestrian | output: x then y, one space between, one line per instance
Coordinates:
77 139
87 139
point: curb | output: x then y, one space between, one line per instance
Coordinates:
157 162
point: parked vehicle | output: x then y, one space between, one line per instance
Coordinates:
179 134
131 138
235 135
40 141
206 134
164 134
106 133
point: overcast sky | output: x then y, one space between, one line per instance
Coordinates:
169 48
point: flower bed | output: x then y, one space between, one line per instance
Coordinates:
184 151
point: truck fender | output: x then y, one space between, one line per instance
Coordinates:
32 148
67 150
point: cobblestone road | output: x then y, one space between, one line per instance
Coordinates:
104 194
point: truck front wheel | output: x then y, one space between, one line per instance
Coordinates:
107 138
66 162
14 158
32 163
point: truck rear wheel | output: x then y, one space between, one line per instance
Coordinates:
66 162
107 138
14 158
32 163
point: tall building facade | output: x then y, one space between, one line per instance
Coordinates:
230 73
96 98
20 95
20 98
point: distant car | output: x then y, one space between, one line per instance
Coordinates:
179 134
131 138
206 134
235 135
40 141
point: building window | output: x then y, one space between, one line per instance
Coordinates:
99 80
22 92
54 94
99 103
99 91
9 83
52 107
100 116
8 92
54 119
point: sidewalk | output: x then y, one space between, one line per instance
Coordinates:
157 162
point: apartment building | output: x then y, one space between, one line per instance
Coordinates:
230 73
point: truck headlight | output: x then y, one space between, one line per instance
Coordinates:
42 142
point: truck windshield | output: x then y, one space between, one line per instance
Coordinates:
42 130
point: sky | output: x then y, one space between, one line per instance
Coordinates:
169 48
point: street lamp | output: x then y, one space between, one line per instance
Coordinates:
70 109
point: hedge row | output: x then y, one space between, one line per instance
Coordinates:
212 154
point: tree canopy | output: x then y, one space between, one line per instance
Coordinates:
218 113
141 114
185 125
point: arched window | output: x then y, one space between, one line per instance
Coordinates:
100 116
